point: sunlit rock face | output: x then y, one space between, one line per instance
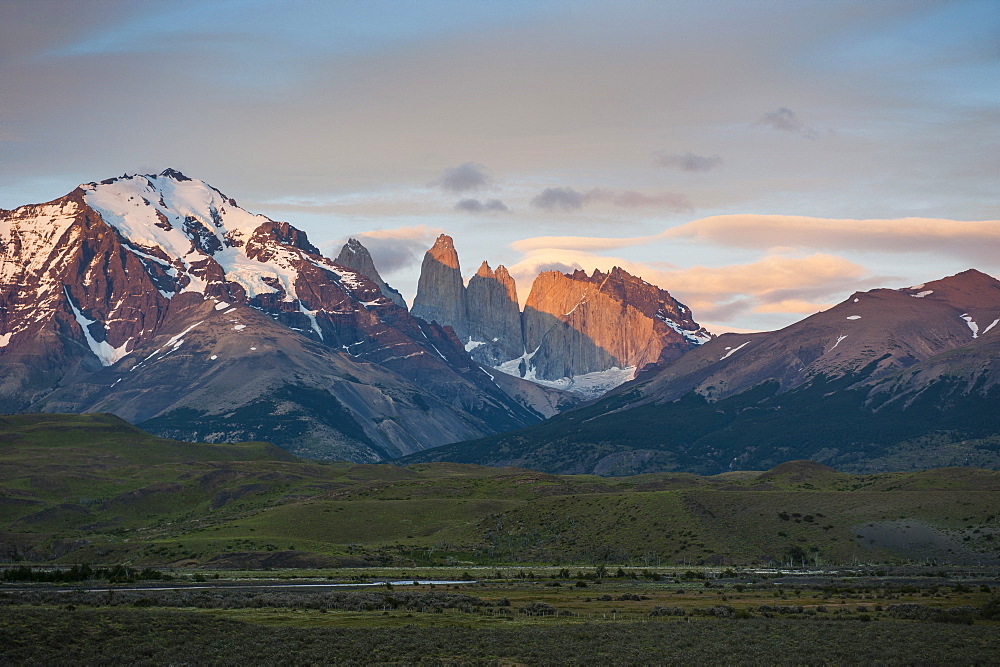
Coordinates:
441 291
576 324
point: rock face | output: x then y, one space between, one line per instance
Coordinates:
887 380
356 257
586 334
494 317
440 290
156 297
576 324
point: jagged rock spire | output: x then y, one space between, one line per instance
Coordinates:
441 291
356 257
494 317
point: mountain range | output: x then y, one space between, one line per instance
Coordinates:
582 333
159 299
886 380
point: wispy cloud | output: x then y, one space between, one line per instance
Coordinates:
786 120
477 206
568 199
971 240
466 177
687 161
634 199
974 240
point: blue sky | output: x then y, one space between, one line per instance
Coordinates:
685 133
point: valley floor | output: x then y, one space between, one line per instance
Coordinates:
530 617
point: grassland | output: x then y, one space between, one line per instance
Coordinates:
735 618
92 489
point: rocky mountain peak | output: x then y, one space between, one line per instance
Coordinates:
444 251
441 294
356 257
174 174
158 298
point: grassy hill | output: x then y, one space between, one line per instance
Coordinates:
93 489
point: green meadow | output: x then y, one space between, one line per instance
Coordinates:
93 489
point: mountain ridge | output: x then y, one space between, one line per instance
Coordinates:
161 270
887 379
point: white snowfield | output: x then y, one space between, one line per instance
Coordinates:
853 317
839 339
921 295
588 385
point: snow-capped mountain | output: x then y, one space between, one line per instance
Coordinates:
158 298
578 332
889 379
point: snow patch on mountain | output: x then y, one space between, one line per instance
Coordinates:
192 222
972 324
103 350
731 350
698 337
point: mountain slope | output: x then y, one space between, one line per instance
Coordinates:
888 379
156 295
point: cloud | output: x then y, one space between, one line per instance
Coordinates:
566 199
687 161
399 248
786 120
667 200
466 177
476 206
974 241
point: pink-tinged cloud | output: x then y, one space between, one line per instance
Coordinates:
973 240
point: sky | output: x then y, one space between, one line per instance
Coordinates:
759 160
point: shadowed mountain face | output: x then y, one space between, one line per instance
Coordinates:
159 299
494 316
888 379
583 333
